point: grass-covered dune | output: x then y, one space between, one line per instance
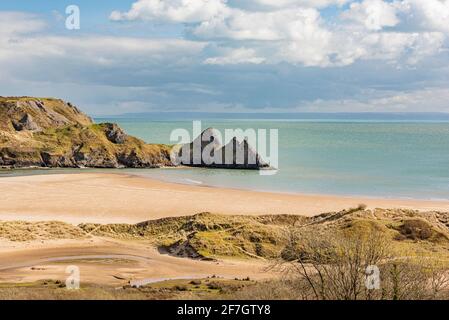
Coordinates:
213 236
209 236
320 257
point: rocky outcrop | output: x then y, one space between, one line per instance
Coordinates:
184 249
52 133
114 133
19 114
207 150
26 123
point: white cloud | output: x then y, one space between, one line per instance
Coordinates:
293 31
276 38
300 3
390 46
191 11
427 99
184 11
35 54
21 42
294 35
428 14
236 56
266 26
17 23
373 14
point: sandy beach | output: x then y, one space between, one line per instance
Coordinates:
119 198
113 262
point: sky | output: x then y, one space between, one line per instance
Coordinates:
229 55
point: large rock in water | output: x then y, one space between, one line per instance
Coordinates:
207 150
53 133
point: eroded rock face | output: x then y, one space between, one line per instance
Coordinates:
94 158
133 160
31 114
240 155
52 133
56 161
20 157
114 133
183 249
26 123
207 150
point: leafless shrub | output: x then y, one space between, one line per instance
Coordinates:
333 267
414 278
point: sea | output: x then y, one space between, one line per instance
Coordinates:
387 156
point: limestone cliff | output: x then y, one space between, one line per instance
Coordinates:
46 132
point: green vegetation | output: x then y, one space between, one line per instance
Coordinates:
207 235
209 288
211 236
45 132
214 236
410 248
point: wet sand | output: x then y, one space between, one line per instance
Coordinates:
119 198
113 262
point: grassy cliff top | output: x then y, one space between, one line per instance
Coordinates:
37 114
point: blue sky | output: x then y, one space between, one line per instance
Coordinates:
230 56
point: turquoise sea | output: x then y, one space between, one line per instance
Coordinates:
378 158
375 157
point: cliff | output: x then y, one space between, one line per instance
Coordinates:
44 132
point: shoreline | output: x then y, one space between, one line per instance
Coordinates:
280 192
128 198
71 171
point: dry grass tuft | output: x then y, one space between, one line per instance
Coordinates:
30 231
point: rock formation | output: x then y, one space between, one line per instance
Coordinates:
207 150
114 133
52 133
26 123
